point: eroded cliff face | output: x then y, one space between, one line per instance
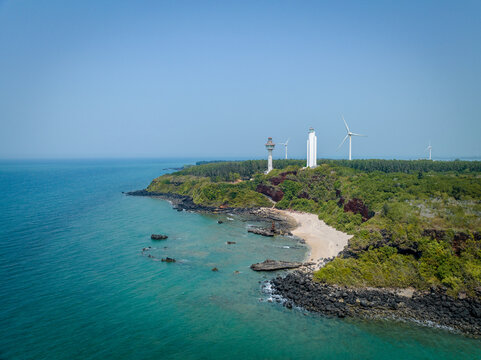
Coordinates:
274 193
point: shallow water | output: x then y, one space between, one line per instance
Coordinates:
75 285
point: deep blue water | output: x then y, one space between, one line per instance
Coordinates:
74 284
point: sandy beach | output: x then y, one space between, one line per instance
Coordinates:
323 240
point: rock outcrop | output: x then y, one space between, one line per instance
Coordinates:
260 231
179 202
433 306
271 191
272 265
158 237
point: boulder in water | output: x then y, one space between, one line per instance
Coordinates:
272 265
158 237
263 232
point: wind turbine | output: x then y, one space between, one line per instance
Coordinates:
429 149
349 135
285 145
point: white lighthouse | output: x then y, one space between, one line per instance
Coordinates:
312 149
269 146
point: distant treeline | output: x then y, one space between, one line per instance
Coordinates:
203 162
407 166
232 170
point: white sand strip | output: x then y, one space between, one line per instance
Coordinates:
324 240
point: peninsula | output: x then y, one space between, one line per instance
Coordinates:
401 238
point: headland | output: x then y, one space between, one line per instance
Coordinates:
388 239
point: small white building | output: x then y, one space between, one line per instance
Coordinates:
312 149
269 146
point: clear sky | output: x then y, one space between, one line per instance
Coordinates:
214 79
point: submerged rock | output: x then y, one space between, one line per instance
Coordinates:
231 242
215 269
272 265
168 259
158 237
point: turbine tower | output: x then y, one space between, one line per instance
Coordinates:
429 148
269 146
349 135
285 145
312 149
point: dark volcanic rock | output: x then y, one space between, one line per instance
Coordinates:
138 193
263 232
179 202
271 191
168 259
273 230
462 314
271 265
158 237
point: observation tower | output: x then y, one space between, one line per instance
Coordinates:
269 146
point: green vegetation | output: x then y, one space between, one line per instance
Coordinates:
407 166
233 170
205 192
414 223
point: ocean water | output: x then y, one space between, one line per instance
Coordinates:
75 285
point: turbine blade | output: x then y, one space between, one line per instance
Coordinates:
358 134
343 141
345 123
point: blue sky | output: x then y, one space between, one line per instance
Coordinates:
215 79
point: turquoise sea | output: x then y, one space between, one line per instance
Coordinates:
74 283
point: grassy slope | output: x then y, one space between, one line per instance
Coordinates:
389 249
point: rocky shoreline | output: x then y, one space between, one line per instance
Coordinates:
281 224
433 307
